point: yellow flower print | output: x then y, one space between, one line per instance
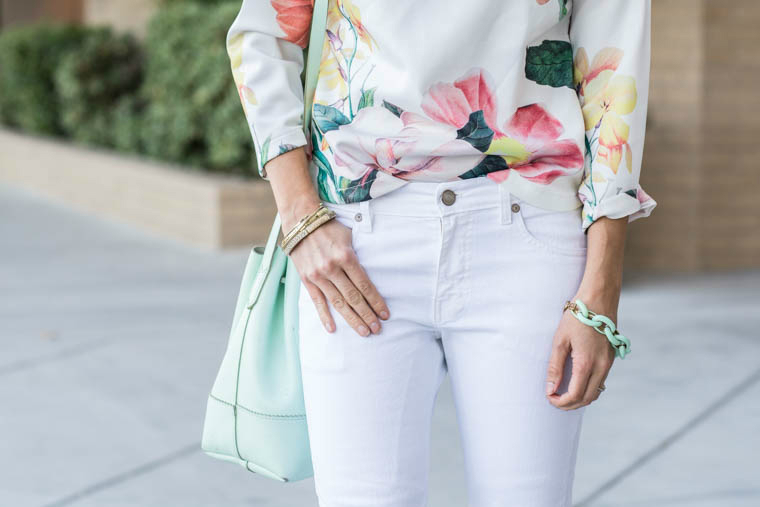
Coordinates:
331 75
604 65
606 108
612 155
346 59
606 98
350 12
235 52
513 151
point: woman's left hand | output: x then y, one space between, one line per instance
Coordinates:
591 352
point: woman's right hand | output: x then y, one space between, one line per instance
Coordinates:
330 271
325 259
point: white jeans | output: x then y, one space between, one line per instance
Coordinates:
475 289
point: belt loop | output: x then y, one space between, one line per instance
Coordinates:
505 198
366 212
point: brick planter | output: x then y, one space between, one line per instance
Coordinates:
203 209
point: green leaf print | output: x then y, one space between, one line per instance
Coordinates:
562 9
265 150
358 189
325 175
286 147
328 118
491 163
393 108
550 64
631 192
368 98
476 131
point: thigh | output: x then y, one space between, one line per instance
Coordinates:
519 449
369 401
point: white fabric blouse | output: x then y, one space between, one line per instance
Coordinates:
547 97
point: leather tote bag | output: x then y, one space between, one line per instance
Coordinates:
255 412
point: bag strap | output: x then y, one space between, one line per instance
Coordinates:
266 262
313 60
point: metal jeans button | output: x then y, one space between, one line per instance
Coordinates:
358 217
448 197
515 207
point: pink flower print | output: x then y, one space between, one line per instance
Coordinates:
547 157
406 147
529 142
294 18
452 103
642 196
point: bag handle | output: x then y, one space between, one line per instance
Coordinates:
313 60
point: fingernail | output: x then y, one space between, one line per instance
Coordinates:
363 330
328 326
375 327
549 387
384 314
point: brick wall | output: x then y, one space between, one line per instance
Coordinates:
671 165
729 235
703 139
131 15
16 12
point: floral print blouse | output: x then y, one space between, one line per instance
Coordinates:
547 97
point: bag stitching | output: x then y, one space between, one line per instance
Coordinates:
261 414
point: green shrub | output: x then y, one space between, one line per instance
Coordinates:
174 99
29 56
91 83
193 114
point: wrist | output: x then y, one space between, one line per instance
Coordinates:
600 297
295 210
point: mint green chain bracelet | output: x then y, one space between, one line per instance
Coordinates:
601 324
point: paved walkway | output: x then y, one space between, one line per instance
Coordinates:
111 339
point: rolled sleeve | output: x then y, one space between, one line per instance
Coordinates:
265 45
611 45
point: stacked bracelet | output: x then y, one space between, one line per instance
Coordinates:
305 226
602 325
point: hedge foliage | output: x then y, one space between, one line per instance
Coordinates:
29 57
171 97
193 112
92 81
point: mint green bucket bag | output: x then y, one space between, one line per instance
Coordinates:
255 412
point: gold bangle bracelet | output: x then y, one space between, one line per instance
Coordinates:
298 224
296 230
323 218
303 222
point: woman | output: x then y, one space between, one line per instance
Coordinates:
483 160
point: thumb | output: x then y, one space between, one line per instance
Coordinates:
556 365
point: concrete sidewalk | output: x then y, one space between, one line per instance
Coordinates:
111 339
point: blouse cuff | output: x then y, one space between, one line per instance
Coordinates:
273 148
634 204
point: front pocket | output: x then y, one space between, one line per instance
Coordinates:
319 351
556 232
345 214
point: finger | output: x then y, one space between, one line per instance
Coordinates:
560 350
359 278
606 367
581 371
594 381
338 302
353 296
318 298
